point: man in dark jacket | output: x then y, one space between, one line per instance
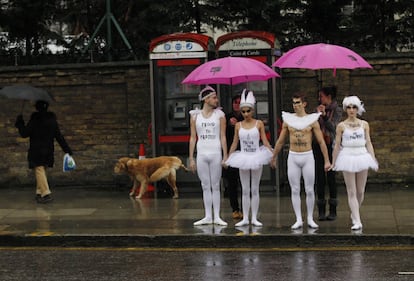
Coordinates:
42 129
230 174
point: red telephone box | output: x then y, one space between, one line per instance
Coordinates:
172 58
262 46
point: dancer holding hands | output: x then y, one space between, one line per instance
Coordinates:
251 157
208 131
300 127
354 155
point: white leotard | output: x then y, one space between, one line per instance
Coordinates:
208 132
354 156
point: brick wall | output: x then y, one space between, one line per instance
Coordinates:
104 111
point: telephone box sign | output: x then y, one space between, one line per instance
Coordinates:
181 45
178 46
245 44
177 55
246 40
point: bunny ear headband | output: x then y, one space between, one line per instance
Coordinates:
247 99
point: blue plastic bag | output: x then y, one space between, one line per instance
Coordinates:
68 163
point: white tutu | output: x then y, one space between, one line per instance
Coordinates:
355 160
250 161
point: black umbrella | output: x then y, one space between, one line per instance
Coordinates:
26 92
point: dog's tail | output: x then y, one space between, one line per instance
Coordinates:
182 166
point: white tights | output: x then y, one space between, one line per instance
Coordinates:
209 173
250 181
355 187
302 164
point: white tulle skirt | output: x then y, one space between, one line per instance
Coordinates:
355 159
250 161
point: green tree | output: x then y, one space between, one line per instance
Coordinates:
28 20
313 21
382 25
366 25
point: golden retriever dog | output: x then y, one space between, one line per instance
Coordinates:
149 170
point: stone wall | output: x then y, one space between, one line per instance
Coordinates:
104 111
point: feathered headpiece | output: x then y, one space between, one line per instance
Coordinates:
353 100
247 99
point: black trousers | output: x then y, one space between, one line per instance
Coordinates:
322 177
232 185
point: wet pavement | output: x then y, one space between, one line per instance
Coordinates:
61 264
107 216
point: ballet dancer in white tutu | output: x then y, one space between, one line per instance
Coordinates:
209 125
250 158
300 127
354 155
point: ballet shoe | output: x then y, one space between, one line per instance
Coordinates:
312 224
257 223
219 221
242 223
357 226
203 221
297 225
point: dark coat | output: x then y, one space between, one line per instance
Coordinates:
230 128
42 129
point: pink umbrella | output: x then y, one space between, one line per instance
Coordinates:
321 56
230 71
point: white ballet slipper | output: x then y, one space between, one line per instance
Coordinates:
219 221
203 221
242 223
312 224
257 223
357 226
297 225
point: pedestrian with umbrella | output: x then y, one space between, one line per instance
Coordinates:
42 129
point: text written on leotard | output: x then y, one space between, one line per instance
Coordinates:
208 131
248 146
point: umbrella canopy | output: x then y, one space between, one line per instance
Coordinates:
321 56
26 92
230 71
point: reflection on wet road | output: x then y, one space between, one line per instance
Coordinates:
205 264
